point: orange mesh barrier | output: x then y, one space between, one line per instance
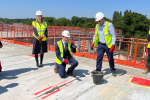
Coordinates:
128 51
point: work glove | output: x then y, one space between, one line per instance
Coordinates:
92 45
72 42
66 61
40 39
111 49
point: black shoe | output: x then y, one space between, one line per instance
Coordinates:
37 64
113 73
41 65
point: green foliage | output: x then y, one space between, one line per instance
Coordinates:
61 22
106 19
88 24
75 21
120 14
83 22
27 21
79 24
133 25
49 20
116 15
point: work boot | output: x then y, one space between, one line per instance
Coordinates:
70 73
95 71
145 71
113 73
55 69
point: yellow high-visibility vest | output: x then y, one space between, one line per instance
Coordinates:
107 35
40 29
59 43
148 42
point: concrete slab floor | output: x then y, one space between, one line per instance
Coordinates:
21 79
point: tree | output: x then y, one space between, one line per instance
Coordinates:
49 20
79 24
88 25
116 15
62 22
75 20
106 19
133 25
120 14
28 23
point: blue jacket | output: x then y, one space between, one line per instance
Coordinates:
73 49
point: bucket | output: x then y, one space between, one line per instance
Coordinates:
97 77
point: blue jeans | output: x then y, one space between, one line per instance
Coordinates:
148 59
102 48
61 68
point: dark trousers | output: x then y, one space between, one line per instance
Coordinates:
102 48
148 59
61 68
0 67
41 58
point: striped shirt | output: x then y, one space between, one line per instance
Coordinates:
101 33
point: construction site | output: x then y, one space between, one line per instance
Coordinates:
20 79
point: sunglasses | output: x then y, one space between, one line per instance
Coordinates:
100 20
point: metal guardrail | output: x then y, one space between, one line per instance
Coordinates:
128 51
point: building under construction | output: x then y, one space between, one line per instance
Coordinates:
128 51
20 79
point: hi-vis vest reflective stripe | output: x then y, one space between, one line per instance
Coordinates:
40 29
61 51
107 36
148 42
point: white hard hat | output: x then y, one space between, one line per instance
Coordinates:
99 16
38 12
66 33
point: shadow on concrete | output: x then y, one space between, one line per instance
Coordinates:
105 81
4 89
49 64
119 72
12 74
81 72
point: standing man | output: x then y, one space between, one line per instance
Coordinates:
105 38
64 49
148 58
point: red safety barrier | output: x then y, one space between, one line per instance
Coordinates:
128 51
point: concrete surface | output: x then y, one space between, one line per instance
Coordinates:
21 79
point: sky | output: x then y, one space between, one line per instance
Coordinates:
67 8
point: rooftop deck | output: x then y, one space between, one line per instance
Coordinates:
20 79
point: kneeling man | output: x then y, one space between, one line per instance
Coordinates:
64 49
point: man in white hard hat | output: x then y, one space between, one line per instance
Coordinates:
105 38
64 49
